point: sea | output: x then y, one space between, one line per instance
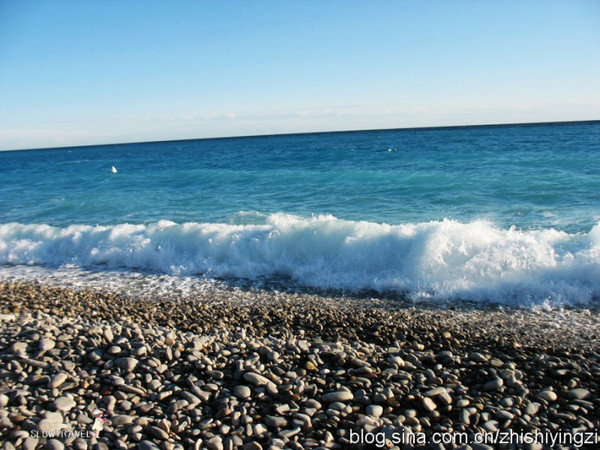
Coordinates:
503 214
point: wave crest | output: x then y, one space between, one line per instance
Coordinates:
441 260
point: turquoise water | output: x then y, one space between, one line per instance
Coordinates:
472 212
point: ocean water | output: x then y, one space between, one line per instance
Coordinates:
507 214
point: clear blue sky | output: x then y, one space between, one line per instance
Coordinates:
90 72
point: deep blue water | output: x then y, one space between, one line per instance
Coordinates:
497 208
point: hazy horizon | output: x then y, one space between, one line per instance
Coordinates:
475 125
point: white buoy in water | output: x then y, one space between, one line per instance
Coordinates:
114 169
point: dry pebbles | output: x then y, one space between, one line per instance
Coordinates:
183 375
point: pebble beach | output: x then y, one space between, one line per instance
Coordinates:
260 369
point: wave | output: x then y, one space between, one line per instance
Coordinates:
434 260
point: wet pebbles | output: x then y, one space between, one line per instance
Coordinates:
273 370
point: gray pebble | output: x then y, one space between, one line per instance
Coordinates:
46 344
578 394
20 347
127 364
493 384
532 408
148 445
256 379
30 443
242 392
215 443
54 444
64 404
429 404
58 380
276 421
80 444
52 422
549 396
253 445
338 396
375 410
120 420
157 433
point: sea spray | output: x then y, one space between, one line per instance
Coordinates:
439 260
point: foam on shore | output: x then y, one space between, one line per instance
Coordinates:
474 261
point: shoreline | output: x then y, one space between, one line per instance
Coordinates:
233 368
383 320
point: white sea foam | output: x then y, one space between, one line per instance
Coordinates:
439 260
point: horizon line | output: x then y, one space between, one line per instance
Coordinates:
440 127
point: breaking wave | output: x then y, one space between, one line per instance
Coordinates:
441 260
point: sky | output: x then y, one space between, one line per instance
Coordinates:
91 72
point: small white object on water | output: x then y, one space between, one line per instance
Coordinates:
113 169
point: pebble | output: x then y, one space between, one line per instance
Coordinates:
578 394
157 433
505 415
396 361
310 366
547 395
232 374
375 410
30 443
52 422
434 392
429 404
255 379
54 444
20 347
47 344
290 433
127 364
338 396
84 419
120 420
253 445
462 403
478 357
215 443
532 408
170 339
58 380
65 404
80 444
242 392
276 421
493 384
491 426
108 334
